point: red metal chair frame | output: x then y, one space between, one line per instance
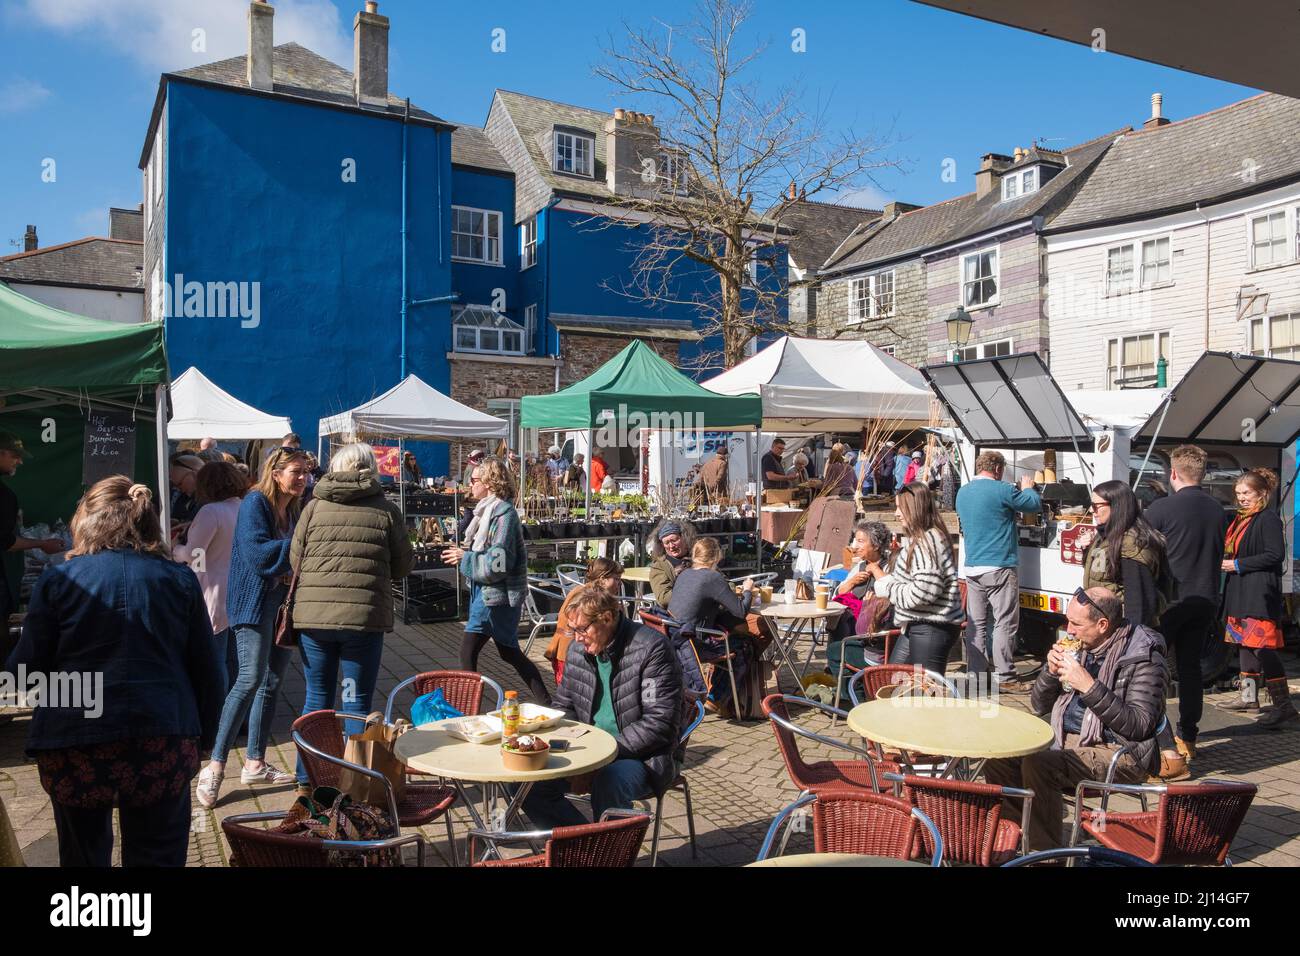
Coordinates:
614 842
257 847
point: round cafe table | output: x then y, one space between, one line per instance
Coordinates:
832 860
431 749
639 577
791 619
969 731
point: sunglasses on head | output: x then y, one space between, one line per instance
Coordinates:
1081 596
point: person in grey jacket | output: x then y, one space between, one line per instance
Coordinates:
620 676
1117 682
702 598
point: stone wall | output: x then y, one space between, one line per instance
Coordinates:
905 330
583 354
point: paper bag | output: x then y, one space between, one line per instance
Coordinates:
373 748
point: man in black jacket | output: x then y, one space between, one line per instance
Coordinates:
1116 697
621 677
1193 523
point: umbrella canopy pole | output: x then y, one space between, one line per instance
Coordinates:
591 441
164 473
758 500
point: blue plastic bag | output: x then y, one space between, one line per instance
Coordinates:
431 707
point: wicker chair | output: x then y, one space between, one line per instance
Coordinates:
614 842
666 626
320 745
877 678
863 823
255 846
461 689
969 816
1193 823
1078 856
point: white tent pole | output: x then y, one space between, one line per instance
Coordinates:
591 441
164 473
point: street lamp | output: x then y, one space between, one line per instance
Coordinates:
959 324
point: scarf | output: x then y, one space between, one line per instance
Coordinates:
476 535
1091 730
1237 530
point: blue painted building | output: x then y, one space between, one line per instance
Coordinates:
291 205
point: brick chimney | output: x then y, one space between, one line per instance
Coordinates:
30 243
370 56
261 42
1157 112
630 138
990 172
897 208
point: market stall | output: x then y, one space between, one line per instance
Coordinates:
635 392
413 410
201 409
88 399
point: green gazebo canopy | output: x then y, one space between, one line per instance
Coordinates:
637 381
44 347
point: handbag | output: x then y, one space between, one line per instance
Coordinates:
330 814
285 634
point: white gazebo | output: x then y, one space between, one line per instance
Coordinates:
827 385
416 410
201 409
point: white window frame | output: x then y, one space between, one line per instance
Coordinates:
478 330
1265 348
155 163
1021 182
587 153
530 327
672 170
1010 187
873 297
981 350
996 277
887 349
1290 252
1116 372
1137 278
528 243
488 214
1112 287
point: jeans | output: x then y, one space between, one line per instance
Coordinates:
925 644
154 835
322 651
993 606
614 786
223 650
261 667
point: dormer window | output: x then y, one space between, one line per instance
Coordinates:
672 170
1020 182
574 153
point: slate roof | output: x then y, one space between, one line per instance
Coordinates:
1199 159
94 262
819 228
471 147
950 221
623 325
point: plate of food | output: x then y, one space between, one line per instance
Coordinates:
524 752
477 730
534 717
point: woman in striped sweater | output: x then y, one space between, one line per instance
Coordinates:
921 583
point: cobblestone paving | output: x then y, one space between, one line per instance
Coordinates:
738 781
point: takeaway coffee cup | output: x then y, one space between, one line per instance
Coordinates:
823 596
766 589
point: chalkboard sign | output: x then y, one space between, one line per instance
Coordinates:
110 445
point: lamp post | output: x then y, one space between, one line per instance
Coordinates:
959 325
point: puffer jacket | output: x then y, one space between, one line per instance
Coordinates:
1132 709
647 687
349 546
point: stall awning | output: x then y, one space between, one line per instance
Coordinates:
201 409
817 385
1230 398
638 383
1007 402
415 409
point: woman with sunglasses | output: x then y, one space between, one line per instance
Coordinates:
258 585
495 562
1127 557
921 583
1252 559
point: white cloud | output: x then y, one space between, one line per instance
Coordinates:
160 35
866 197
22 94
93 222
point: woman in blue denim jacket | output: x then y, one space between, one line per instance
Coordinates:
120 638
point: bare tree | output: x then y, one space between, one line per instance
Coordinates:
727 149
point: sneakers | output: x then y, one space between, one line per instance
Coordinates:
209 787
267 775
1173 767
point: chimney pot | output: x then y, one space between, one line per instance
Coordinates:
261 45
1157 112
620 113
650 118
30 243
372 6
792 192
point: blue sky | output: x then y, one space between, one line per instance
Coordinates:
78 80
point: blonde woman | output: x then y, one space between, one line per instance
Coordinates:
495 562
121 609
258 585
702 598
921 583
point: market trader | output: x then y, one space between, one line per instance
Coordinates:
13 454
774 475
